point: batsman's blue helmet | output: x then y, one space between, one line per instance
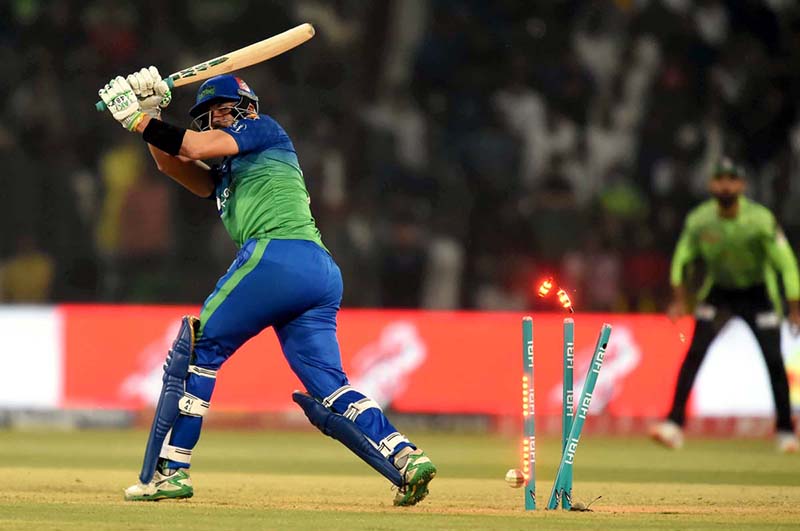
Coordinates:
221 88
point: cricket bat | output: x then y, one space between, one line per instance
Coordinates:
241 58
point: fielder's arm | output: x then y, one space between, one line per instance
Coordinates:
783 259
685 252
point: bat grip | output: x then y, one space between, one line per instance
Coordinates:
101 106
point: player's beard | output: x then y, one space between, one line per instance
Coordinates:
726 200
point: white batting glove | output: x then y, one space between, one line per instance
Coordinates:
121 101
152 92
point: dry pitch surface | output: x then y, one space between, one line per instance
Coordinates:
304 481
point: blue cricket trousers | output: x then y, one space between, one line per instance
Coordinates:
294 286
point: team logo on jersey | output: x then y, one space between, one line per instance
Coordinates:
238 126
222 199
225 187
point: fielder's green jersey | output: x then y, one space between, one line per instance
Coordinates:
260 191
738 252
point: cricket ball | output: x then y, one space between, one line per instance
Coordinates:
514 478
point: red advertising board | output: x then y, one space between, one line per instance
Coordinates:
437 362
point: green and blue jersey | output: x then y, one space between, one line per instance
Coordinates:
260 191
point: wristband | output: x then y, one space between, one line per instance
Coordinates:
131 122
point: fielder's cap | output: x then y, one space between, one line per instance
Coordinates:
726 167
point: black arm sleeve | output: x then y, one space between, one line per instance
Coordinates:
168 138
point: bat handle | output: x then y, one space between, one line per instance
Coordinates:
101 106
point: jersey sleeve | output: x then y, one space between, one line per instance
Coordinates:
685 252
257 135
783 259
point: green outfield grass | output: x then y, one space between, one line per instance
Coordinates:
304 481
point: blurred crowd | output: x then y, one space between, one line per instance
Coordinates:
456 151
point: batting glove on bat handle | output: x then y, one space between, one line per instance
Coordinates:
122 103
100 106
151 91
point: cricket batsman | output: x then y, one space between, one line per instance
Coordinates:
282 277
742 248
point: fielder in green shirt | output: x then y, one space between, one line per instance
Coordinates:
743 249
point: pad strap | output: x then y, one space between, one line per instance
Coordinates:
193 406
390 442
200 371
334 396
358 407
176 453
190 404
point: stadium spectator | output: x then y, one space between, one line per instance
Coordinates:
458 105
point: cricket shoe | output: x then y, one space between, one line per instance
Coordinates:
787 442
668 433
417 471
172 484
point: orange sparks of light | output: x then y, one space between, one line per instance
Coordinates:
545 287
564 299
